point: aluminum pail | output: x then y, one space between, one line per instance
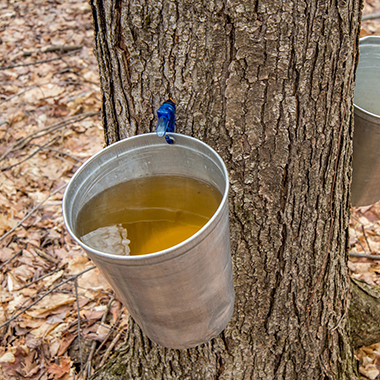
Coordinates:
182 296
365 189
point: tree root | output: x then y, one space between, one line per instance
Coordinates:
364 313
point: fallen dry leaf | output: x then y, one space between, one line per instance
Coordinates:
78 264
43 92
6 223
7 358
50 280
49 303
93 281
369 371
58 370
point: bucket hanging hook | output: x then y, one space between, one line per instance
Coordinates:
166 118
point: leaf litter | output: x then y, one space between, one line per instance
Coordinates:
49 125
60 319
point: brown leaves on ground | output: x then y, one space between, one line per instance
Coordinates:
369 359
369 27
49 125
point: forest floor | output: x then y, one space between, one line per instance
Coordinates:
49 125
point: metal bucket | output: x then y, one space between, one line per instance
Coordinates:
365 189
182 296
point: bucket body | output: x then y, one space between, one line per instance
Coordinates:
365 189
182 296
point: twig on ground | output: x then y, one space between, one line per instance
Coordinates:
58 151
73 83
365 238
111 328
371 16
23 92
94 291
9 260
46 130
72 277
33 210
30 156
40 252
79 339
365 255
51 49
93 345
38 62
109 349
109 333
356 233
39 279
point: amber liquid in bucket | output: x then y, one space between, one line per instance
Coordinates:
146 215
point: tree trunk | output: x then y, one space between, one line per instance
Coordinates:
269 85
364 313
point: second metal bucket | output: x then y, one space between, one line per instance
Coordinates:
182 296
365 189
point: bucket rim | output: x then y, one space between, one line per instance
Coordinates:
362 112
370 116
142 259
370 40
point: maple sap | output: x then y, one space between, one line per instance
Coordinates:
147 215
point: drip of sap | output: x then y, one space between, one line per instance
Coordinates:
146 215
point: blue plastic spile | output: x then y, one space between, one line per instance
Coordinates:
166 118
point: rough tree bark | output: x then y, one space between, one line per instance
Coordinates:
269 85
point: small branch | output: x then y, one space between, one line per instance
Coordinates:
109 349
95 291
79 340
365 238
46 256
30 156
93 345
364 234
34 209
113 343
38 62
23 92
58 151
44 84
9 260
365 255
46 130
111 328
72 277
371 16
38 279
50 49
109 333
360 243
